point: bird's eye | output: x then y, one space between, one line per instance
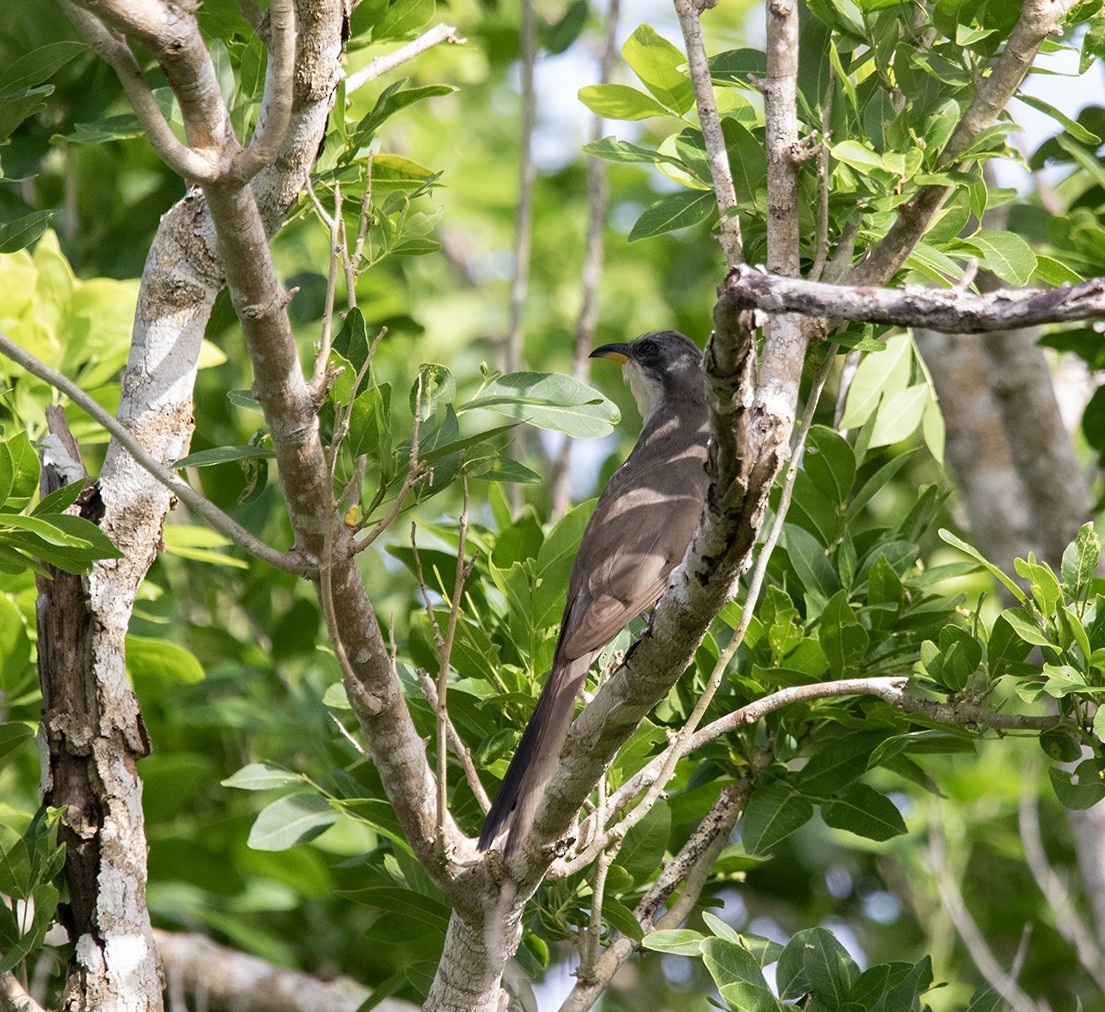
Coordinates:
646 349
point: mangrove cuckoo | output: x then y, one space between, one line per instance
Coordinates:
637 535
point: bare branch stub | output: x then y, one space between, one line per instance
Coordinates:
950 311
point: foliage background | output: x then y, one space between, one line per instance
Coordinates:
229 661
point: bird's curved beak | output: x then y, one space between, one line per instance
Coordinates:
615 352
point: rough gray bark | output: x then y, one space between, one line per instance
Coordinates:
951 310
116 963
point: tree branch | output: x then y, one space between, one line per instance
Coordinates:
14 997
382 64
115 52
952 311
173 36
691 865
967 928
781 132
248 984
1068 921
172 481
276 106
720 171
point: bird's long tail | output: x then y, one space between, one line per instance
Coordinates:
532 767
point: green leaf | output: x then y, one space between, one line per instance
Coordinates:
830 460
391 100
565 31
774 812
548 401
837 764
15 868
619 101
294 819
352 342
1055 273
621 917
25 471
12 735
864 811
261 777
807 556
1081 789
1005 254
676 210
880 374
1026 627
857 155
199 544
1080 562
154 658
731 963
20 105
223 455
393 172
60 500
38 65
24 231
7 473
656 62
611 149
734 66
749 998
434 388
643 849
899 415
974 553
402 18
123 127
1072 127
814 962
1060 746
843 639
43 529
677 941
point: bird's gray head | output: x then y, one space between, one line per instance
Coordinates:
661 366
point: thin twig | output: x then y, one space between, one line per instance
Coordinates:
992 94
691 865
592 933
276 111
283 561
822 255
1068 921
363 221
968 930
597 201
463 569
416 471
724 192
456 743
382 64
200 167
319 373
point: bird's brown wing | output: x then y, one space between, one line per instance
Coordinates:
634 543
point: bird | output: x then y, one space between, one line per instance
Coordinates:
639 532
